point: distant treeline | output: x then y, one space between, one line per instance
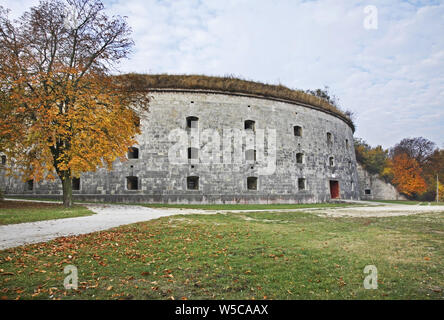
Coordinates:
411 166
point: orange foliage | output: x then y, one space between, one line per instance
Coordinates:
407 175
61 114
74 128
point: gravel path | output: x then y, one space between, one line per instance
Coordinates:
109 216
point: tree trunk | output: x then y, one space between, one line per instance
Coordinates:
67 190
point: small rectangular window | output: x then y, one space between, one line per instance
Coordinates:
368 191
192 122
252 183
3 160
249 125
132 183
193 183
193 153
30 185
301 184
297 131
133 153
329 138
299 158
137 121
75 184
250 155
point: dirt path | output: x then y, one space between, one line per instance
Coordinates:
109 216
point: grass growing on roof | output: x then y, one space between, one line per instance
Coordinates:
141 82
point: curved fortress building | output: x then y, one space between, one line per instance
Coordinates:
210 145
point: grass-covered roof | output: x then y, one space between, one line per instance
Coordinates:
228 84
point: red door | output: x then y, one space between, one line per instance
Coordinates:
334 189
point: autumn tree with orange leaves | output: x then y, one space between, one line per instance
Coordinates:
407 175
61 113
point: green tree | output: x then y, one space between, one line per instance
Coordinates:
374 160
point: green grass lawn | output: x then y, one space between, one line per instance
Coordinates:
237 256
17 212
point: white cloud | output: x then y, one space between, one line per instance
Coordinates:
391 77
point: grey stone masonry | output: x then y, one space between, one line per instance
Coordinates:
313 148
374 188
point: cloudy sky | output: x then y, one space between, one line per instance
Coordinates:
391 75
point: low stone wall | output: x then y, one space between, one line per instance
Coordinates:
371 187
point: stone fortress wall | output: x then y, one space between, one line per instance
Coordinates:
372 187
315 158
